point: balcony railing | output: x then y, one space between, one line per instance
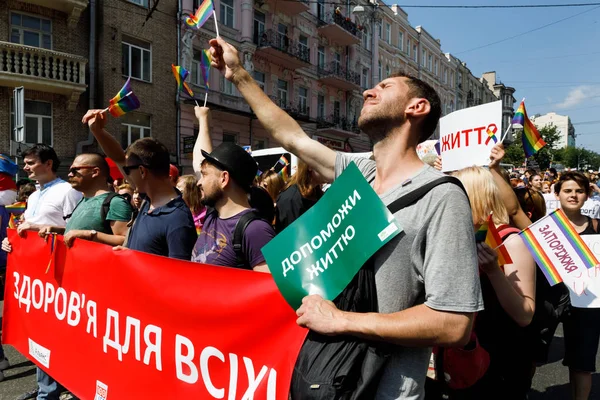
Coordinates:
338 122
42 69
281 42
340 20
335 69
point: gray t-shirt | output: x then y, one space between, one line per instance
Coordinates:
433 261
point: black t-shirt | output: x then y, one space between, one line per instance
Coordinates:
290 206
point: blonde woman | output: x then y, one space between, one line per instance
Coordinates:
273 183
508 294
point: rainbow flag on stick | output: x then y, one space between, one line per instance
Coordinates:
557 248
205 60
493 239
124 102
13 221
482 232
17 208
181 75
203 13
532 140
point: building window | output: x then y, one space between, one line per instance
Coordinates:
379 70
401 41
303 100
136 59
282 93
366 39
259 144
30 31
38 122
321 106
143 3
380 30
303 47
321 9
430 63
337 59
259 26
364 78
321 57
387 71
196 75
227 87
408 47
445 75
134 126
423 57
388 33
230 137
226 16
415 53
259 77
336 110
435 67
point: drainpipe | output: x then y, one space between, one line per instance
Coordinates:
177 104
92 73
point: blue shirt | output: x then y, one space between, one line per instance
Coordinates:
167 231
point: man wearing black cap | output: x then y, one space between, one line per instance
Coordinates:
226 175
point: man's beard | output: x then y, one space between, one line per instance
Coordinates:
211 201
378 125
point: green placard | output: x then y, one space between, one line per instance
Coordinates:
322 250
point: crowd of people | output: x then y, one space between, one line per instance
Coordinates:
444 300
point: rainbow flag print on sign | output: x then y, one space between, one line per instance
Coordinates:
124 102
557 248
181 74
203 13
532 140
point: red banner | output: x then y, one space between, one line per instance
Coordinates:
128 325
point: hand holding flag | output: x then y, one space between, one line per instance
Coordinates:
124 102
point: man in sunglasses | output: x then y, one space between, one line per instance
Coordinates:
101 216
164 225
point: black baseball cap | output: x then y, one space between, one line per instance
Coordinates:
232 158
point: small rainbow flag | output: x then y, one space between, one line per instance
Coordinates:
205 60
13 221
494 240
203 13
574 252
481 233
17 208
283 161
532 140
284 174
181 75
258 173
124 102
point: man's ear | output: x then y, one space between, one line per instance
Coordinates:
417 108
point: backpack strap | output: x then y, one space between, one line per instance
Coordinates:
104 211
416 194
595 224
238 237
506 230
66 217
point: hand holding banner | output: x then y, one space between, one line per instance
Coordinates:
137 326
322 250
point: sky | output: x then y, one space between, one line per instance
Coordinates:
555 68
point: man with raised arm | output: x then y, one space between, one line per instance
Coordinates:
427 280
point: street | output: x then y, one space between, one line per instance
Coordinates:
551 381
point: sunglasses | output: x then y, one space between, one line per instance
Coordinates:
128 168
74 170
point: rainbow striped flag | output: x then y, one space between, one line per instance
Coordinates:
284 174
13 221
494 240
181 75
205 60
124 102
532 140
203 13
283 161
482 232
557 248
17 208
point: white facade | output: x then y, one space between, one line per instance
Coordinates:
563 124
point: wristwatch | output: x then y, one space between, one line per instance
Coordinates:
93 233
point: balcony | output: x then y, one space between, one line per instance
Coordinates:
227 102
298 111
281 50
44 70
334 74
337 125
73 8
290 8
340 29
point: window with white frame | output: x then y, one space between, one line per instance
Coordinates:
415 52
227 87
321 57
30 30
303 100
430 62
230 137
282 92
423 58
321 106
143 3
136 59
408 47
388 33
435 67
401 41
367 39
38 122
259 26
196 75
321 9
445 75
380 30
364 78
226 17
135 126
303 46
337 110
259 77
337 59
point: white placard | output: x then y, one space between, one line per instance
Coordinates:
584 288
464 138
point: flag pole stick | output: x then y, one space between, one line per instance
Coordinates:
505 133
216 23
205 98
106 109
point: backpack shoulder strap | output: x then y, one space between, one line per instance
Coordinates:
105 209
238 237
66 217
506 230
416 194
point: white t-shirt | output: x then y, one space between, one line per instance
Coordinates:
49 206
591 207
552 203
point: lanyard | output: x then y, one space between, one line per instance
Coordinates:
43 192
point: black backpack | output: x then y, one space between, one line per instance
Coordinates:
103 211
347 367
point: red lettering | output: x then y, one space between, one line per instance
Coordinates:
456 139
479 130
466 136
445 143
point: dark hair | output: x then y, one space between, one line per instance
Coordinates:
152 154
25 190
552 170
421 89
532 202
261 200
531 171
44 153
578 177
308 187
